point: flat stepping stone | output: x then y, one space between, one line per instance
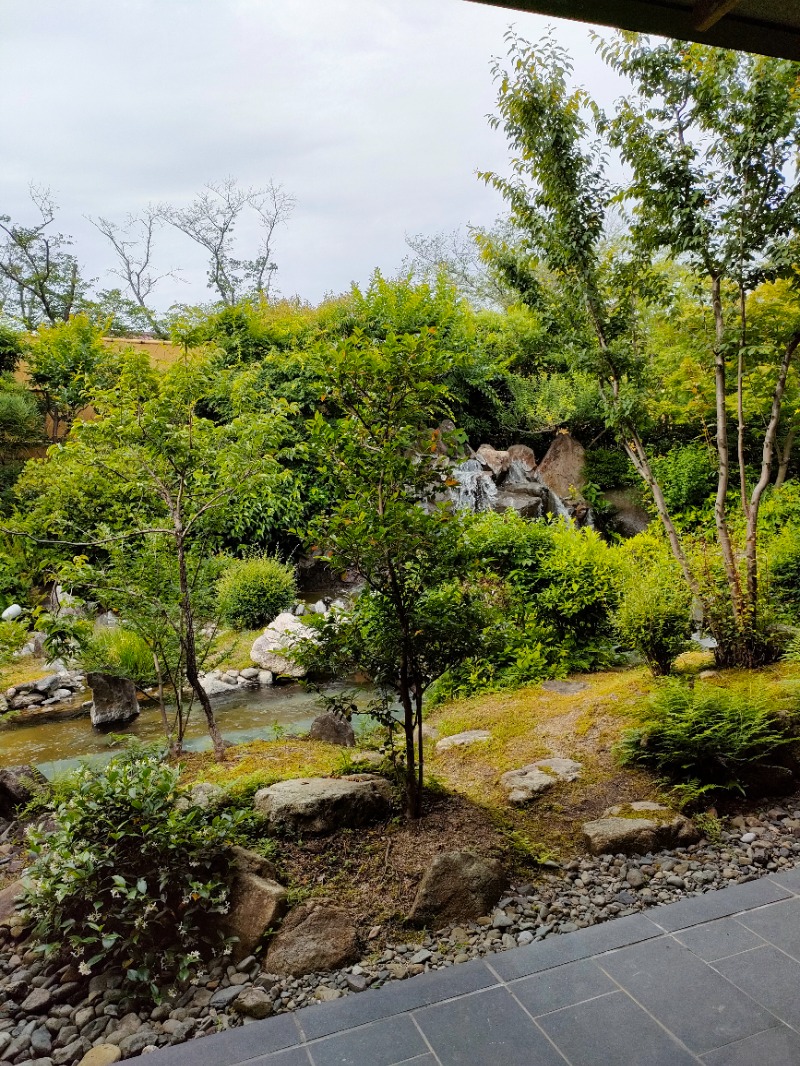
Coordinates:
462 740
530 781
636 828
565 688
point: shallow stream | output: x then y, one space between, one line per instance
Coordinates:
60 743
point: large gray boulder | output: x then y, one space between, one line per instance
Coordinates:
628 516
333 729
523 456
636 828
113 700
18 785
526 499
314 938
497 461
457 886
462 740
530 781
316 805
279 638
213 686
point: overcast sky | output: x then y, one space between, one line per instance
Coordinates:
372 113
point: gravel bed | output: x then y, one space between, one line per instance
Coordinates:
51 1016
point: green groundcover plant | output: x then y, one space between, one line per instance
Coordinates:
127 878
704 734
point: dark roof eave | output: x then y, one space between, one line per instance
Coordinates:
671 20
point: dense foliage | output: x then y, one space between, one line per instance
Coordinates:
128 878
254 591
705 734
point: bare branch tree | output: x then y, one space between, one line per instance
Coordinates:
133 244
210 220
42 279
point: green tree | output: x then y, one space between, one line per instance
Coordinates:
710 137
175 476
40 280
380 447
10 348
20 429
67 363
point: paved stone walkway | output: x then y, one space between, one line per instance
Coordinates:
713 979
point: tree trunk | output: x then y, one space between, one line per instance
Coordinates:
190 650
740 401
751 551
720 517
413 794
636 453
785 459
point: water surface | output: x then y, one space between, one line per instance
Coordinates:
249 714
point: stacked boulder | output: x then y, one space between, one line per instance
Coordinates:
47 691
511 480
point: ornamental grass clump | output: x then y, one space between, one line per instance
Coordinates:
127 878
705 734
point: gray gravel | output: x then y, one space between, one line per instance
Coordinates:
51 1017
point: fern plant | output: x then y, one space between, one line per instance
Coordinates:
704 734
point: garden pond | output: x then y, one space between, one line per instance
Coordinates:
60 742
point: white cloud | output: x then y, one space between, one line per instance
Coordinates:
371 112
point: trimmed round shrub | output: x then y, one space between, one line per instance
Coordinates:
128 878
254 591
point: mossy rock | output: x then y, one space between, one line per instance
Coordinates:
636 828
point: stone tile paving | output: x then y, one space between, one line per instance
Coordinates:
714 980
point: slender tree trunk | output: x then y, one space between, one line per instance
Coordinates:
751 551
638 456
420 759
190 650
785 459
413 804
723 455
740 400
410 719
174 749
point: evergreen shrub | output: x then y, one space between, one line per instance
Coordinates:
127 878
254 591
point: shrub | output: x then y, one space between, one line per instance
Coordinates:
12 637
609 468
687 476
254 591
120 652
654 615
703 733
126 877
792 653
581 585
784 570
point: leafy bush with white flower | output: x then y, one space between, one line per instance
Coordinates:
127 878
